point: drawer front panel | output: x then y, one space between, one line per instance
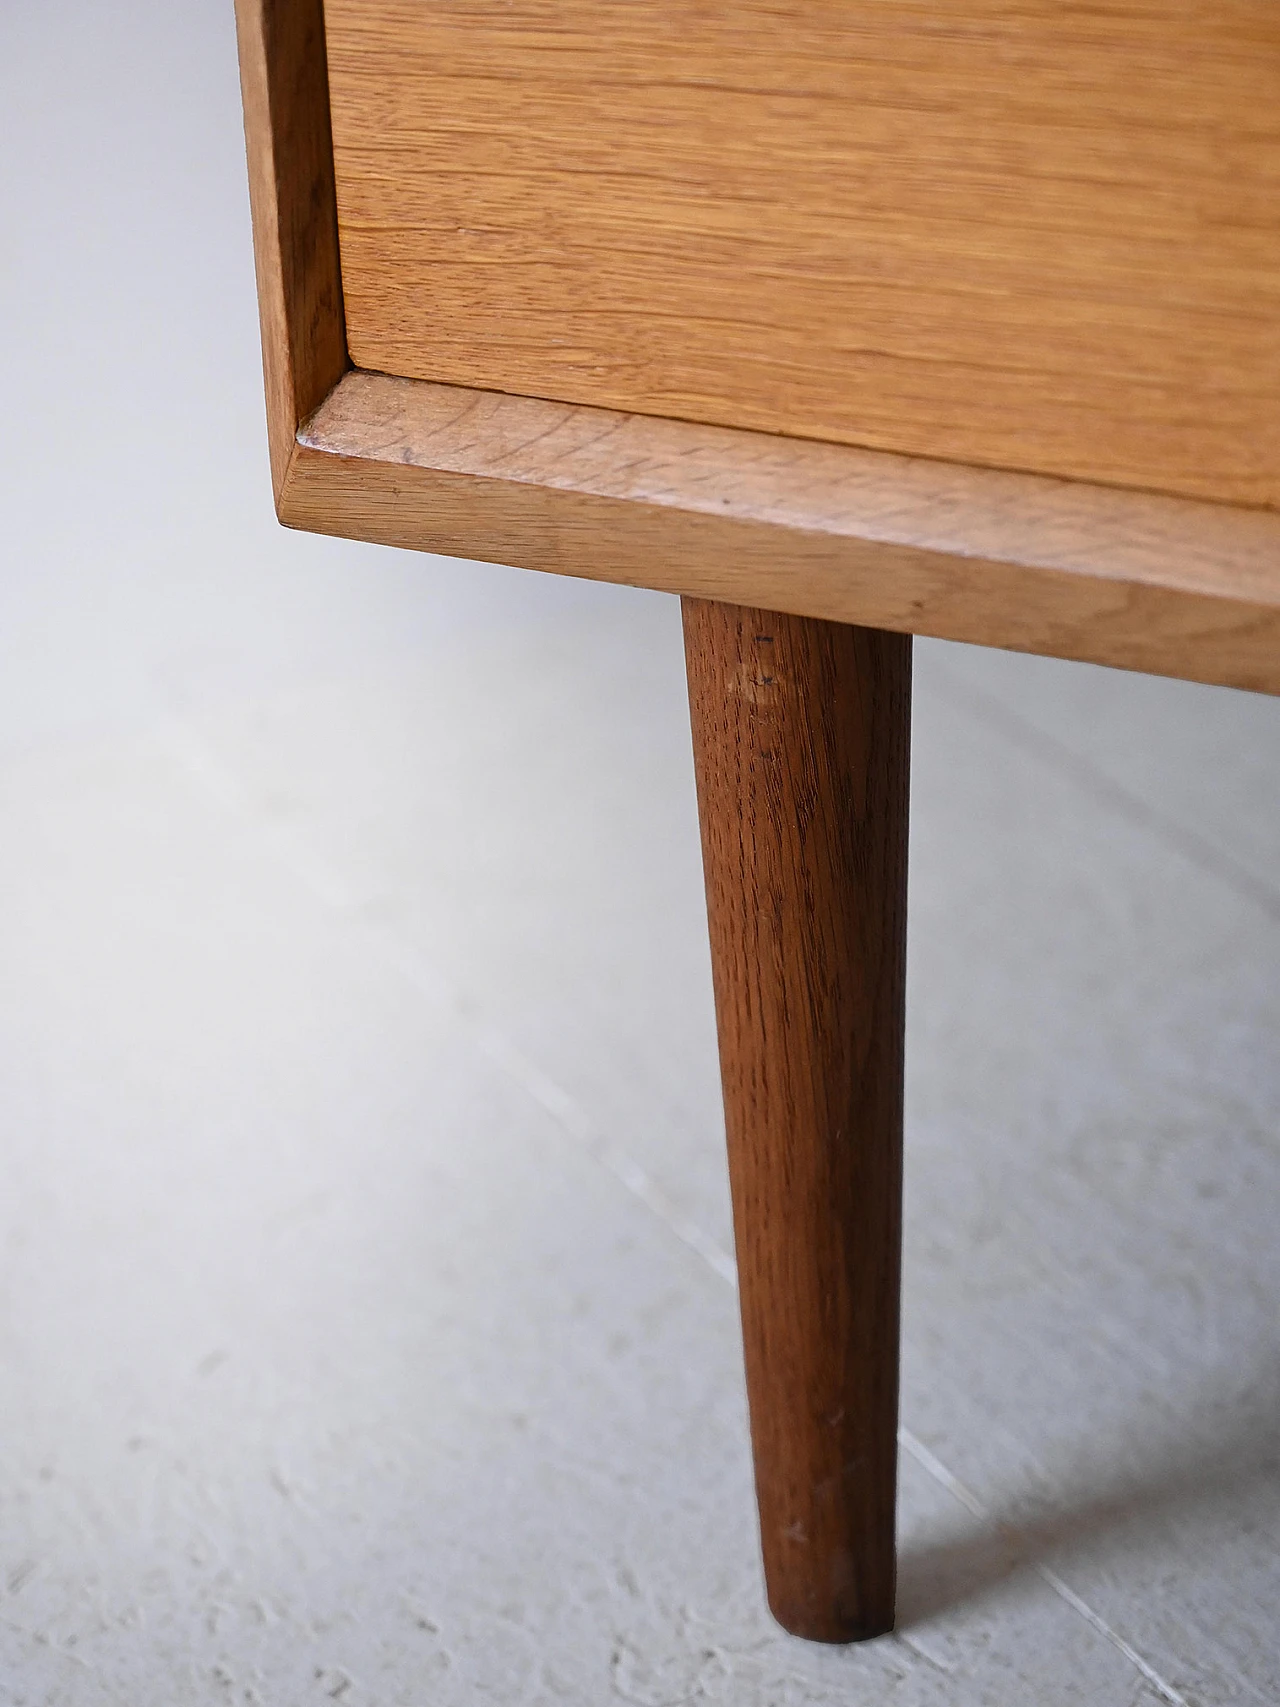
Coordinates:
1041 235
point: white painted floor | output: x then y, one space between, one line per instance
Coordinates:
365 1333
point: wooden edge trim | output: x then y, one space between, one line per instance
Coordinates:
1172 586
285 86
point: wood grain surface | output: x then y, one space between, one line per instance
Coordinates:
1152 583
801 738
295 226
1030 234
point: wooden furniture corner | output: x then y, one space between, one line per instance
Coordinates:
964 323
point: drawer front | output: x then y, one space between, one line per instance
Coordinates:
1040 235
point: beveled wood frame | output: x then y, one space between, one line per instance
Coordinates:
1143 581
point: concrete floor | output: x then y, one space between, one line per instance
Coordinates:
366 1317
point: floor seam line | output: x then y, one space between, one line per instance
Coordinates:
1212 861
933 1466
220 783
565 1110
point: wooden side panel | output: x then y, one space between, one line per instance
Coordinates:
1169 585
1031 234
295 225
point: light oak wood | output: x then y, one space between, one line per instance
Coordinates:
801 739
1072 569
1167 585
1019 233
295 227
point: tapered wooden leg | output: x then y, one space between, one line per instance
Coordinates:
801 745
